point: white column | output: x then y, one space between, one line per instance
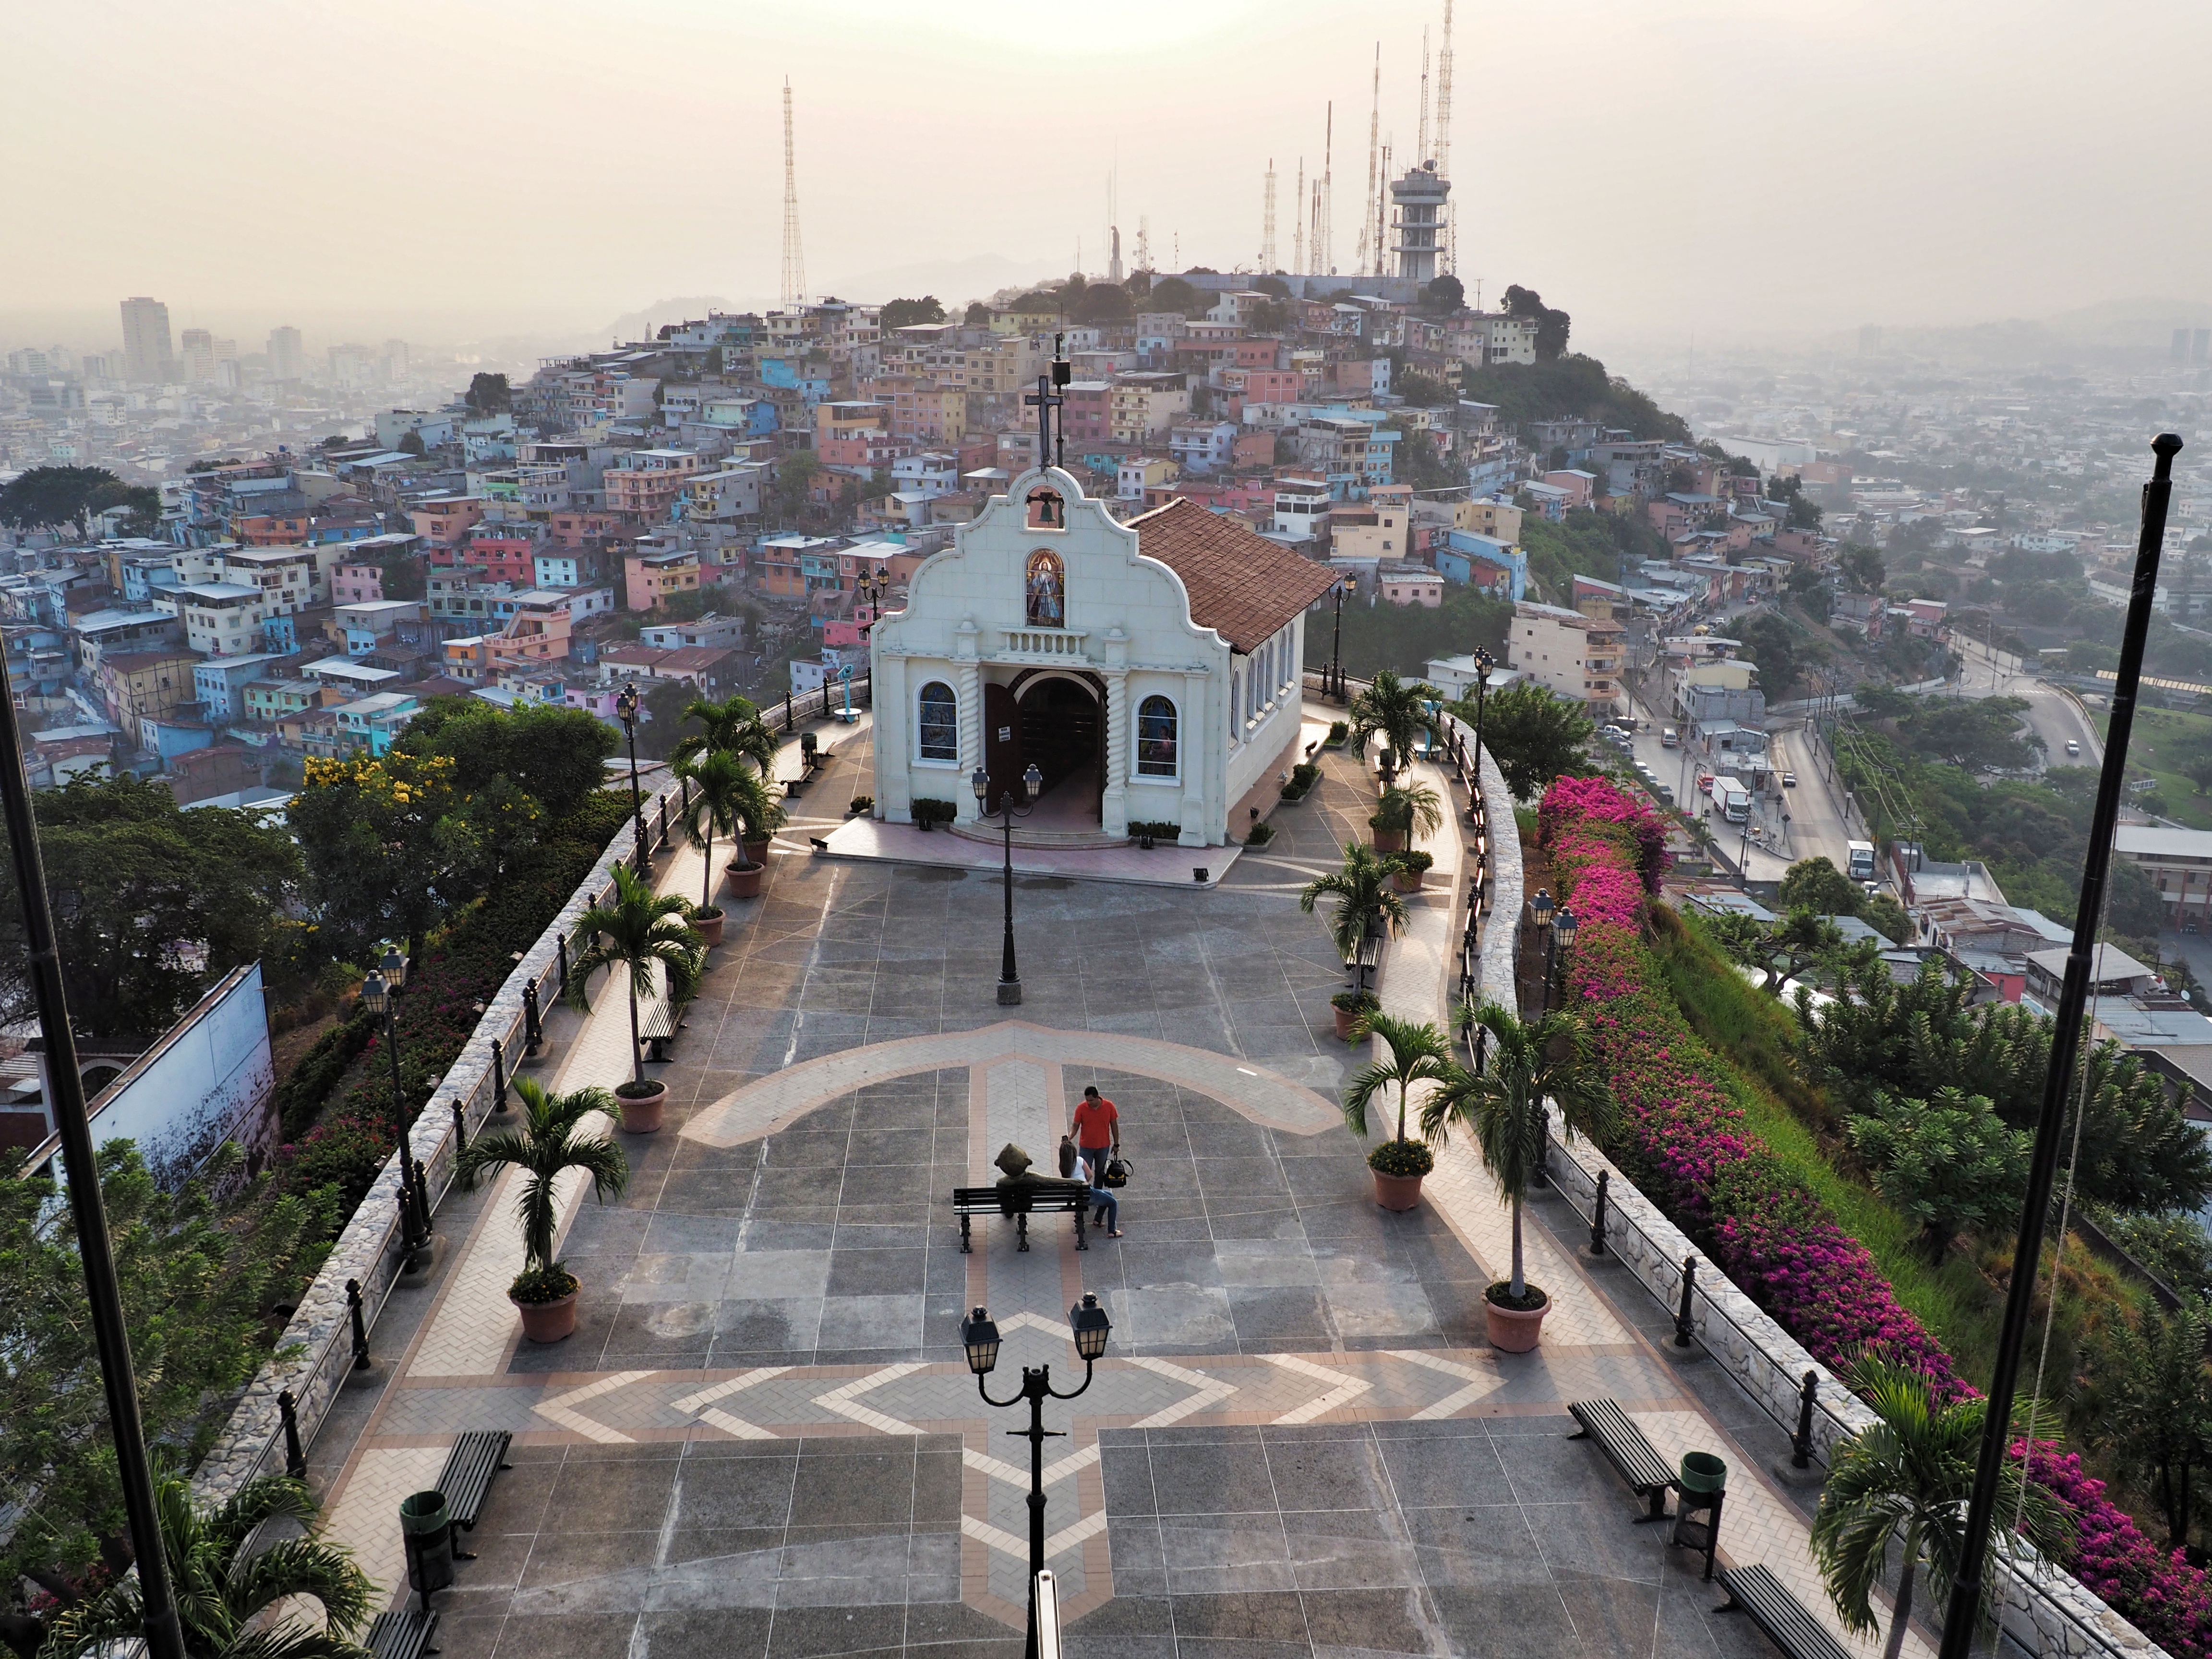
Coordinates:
894 726
967 682
1114 806
1206 770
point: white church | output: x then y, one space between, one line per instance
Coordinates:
1150 671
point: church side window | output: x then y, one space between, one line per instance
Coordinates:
940 723
1156 737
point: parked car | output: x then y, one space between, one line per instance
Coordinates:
1789 780
2073 746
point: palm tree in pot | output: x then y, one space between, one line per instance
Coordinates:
1530 1062
1366 902
221 1589
1395 708
1403 812
719 780
759 815
1413 1052
1908 1476
550 1142
629 934
732 726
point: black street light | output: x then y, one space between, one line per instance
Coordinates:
1540 914
379 994
1032 782
111 1336
626 710
1484 662
1336 687
1088 1323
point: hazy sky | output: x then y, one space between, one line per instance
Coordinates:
472 170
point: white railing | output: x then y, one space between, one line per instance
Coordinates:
1042 643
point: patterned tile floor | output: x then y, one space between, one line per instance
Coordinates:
763 1440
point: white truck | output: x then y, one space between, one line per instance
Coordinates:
1861 866
1734 799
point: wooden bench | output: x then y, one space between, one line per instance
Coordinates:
466 1482
1780 1616
970 1201
1625 1447
1361 962
663 1017
402 1635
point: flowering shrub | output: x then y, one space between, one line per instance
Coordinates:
1587 803
2160 1594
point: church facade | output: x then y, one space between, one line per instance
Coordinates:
1150 671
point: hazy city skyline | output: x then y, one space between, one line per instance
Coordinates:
1659 169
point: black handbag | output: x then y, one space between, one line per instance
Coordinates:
1117 1173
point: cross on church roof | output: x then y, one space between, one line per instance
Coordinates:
1045 399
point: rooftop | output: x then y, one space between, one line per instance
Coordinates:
1240 585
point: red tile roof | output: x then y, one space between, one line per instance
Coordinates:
1240 585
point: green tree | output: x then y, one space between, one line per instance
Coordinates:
1981 735
400 576
905 313
630 932
411 443
1365 899
151 905
221 1589
1781 950
1886 916
1407 809
489 394
734 725
1531 1062
1907 1476
1104 302
794 481
1551 325
1535 737
1412 1051
1861 567
550 753
1394 708
1817 885
2151 1403
719 780
1948 1162
1270 316
44 497
550 1142
391 846
196 1281
1173 294
978 315
1442 295
1773 645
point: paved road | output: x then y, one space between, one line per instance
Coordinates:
2051 713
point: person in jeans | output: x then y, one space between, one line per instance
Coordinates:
1097 1135
1102 1196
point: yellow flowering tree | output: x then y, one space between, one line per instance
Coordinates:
390 844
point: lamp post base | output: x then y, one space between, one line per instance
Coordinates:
1010 993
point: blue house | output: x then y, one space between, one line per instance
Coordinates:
789 374
1483 561
218 682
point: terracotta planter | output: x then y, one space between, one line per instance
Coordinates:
1407 881
1346 1019
1511 1330
1399 1192
641 1114
1390 840
709 924
756 851
548 1322
744 879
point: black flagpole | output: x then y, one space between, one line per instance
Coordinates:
164 1637
1964 1614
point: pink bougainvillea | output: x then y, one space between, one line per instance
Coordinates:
2156 1591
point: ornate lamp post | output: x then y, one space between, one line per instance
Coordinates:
1540 918
626 703
1336 686
1559 941
1088 1323
379 994
1032 781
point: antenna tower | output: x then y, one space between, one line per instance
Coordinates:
1421 144
1450 262
1298 221
1383 213
1267 221
1144 241
794 260
1324 241
1368 242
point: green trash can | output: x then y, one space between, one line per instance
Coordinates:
1704 1472
426 1526
1700 1490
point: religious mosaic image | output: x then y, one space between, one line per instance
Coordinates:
1047 591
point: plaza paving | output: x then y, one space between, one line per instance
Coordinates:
763 1440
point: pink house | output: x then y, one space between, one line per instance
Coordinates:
357 584
1581 486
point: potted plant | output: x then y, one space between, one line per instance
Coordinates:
1403 810
733 726
1260 834
1413 1052
1409 869
1351 1008
636 930
719 783
1395 708
759 815
927 813
860 804
1364 900
549 1140
1531 1062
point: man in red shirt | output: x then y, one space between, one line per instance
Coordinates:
1097 1132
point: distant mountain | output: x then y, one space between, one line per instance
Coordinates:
2131 333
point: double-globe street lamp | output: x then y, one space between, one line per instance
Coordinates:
626 705
1557 929
1088 1323
1032 785
379 994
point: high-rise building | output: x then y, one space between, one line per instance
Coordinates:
199 354
146 352
2181 348
1420 198
288 358
395 360
2203 347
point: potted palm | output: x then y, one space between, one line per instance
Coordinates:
758 816
732 726
1365 902
628 935
550 1140
221 1592
717 780
1395 708
1531 1062
1409 869
1907 1477
1413 1052
1351 1008
1403 810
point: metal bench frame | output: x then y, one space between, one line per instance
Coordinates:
1781 1617
970 1201
465 1481
1633 1456
403 1635
658 1028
